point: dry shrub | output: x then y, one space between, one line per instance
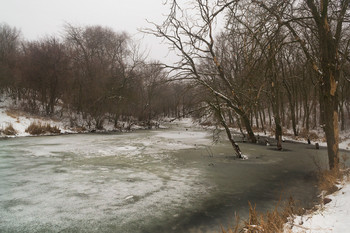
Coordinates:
271 221
9 130
235 229
274 221
38 129
308 135
328 180
206 123
80 129
12 113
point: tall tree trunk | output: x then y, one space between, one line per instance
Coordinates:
269 113
342 117
315 110
249 129
292 107
329 97
219 114
331 129
262 120
276 114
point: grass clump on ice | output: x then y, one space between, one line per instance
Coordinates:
38 129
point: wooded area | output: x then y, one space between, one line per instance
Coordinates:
290 58
267 65
92 71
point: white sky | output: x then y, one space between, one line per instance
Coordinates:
39 18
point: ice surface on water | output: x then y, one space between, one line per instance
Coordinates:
56 182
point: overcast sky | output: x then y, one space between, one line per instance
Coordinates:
39 18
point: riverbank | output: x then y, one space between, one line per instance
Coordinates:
332 217
14 122
12 116
116 182
334 213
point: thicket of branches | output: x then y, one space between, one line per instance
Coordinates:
92 71
284 61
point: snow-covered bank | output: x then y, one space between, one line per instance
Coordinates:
333 217
344 137
20 121
12 116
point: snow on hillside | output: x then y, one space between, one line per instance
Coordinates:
344 138
11 115
20 120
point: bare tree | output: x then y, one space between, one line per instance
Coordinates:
326 19
9 45
44 70
99 58
191 33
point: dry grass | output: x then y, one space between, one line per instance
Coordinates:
274 221
271 221
206 123
79 129
308 135
38 129
12 113
9 130
328 179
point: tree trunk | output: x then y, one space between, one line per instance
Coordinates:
221 118
332 132
292 108
249 129
230 138
292 114
240 127
330 116
261 121
276 112
342 117
269 113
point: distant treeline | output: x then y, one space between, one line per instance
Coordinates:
250 75
93 71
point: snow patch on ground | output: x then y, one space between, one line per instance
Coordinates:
344 137
20 121
11 115
331 218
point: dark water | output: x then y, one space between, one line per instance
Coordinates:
147 181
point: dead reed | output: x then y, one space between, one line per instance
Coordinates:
38 129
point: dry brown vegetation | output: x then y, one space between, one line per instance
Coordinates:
9 130
274 220
11 113
329 179
271 221
308 135
38 129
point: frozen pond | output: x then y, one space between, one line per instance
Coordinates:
172 180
